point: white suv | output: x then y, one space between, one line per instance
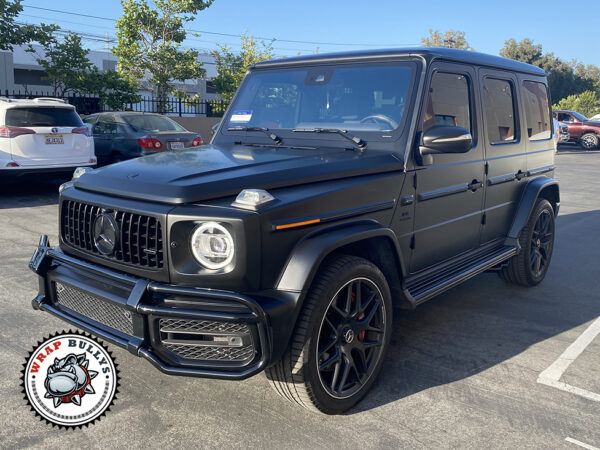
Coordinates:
42 135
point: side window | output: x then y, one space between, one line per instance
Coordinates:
537 110
499 105
564 117
448 101
105 125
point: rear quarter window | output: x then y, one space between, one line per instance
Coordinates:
537 110
42 117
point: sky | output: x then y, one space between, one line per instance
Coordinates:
334 26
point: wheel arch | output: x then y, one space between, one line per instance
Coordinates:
539 187
367 239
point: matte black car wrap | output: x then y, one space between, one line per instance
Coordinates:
375 209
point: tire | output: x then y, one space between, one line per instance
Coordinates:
589 141
344 286
529 266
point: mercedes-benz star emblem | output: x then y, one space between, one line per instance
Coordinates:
55 130
106 234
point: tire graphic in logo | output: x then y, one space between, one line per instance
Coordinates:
70 379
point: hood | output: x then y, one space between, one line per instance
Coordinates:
211 172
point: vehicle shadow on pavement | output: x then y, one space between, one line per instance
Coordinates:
26 194
485 321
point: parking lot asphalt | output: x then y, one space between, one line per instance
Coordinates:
462 370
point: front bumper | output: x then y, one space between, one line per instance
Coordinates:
180 330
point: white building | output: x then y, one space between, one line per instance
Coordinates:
19 71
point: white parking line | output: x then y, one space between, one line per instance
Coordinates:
581 444
551 376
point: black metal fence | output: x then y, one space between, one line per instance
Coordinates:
89 104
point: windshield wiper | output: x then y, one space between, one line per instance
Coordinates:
356 140
268 132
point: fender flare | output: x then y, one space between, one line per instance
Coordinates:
531 193
310 252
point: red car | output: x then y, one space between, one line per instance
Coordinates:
582 130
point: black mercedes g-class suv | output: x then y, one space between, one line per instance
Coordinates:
335 187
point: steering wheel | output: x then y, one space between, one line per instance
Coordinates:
379 118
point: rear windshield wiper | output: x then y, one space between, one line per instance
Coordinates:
268 132
356 140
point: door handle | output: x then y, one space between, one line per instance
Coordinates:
520 174
475 184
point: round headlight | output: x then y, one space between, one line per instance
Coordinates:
212 245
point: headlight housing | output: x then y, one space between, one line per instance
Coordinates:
212 245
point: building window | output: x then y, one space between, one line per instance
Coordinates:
30 77
109 64
210 87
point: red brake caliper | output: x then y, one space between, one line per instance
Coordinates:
361 316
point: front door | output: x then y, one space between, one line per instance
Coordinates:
449 193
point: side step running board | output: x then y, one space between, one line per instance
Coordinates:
421 289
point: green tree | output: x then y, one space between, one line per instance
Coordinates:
69 69
563 78
525 51
12 34
66 64
449 39
232 66
111 88
585 103
149 39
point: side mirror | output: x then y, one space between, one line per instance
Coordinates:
213 129
443 139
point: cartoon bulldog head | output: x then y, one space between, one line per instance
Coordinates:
68 379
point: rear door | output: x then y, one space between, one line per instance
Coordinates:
504 150
52 141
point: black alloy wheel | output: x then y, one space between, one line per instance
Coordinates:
529 266
541 242
351 338
340 338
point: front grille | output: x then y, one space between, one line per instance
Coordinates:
140 240
102 311
207 340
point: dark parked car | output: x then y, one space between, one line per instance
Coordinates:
335 187
581 130
124 135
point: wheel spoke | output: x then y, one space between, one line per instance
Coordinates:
344 376
538 262
348 306
335 358
332 326
336 374
327 347
369 315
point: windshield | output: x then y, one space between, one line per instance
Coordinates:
42 117
579 116
348 97
152 124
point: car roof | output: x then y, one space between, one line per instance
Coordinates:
7 103
429 53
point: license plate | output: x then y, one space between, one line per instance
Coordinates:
176 145
54 140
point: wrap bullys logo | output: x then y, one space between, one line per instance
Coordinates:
70 379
